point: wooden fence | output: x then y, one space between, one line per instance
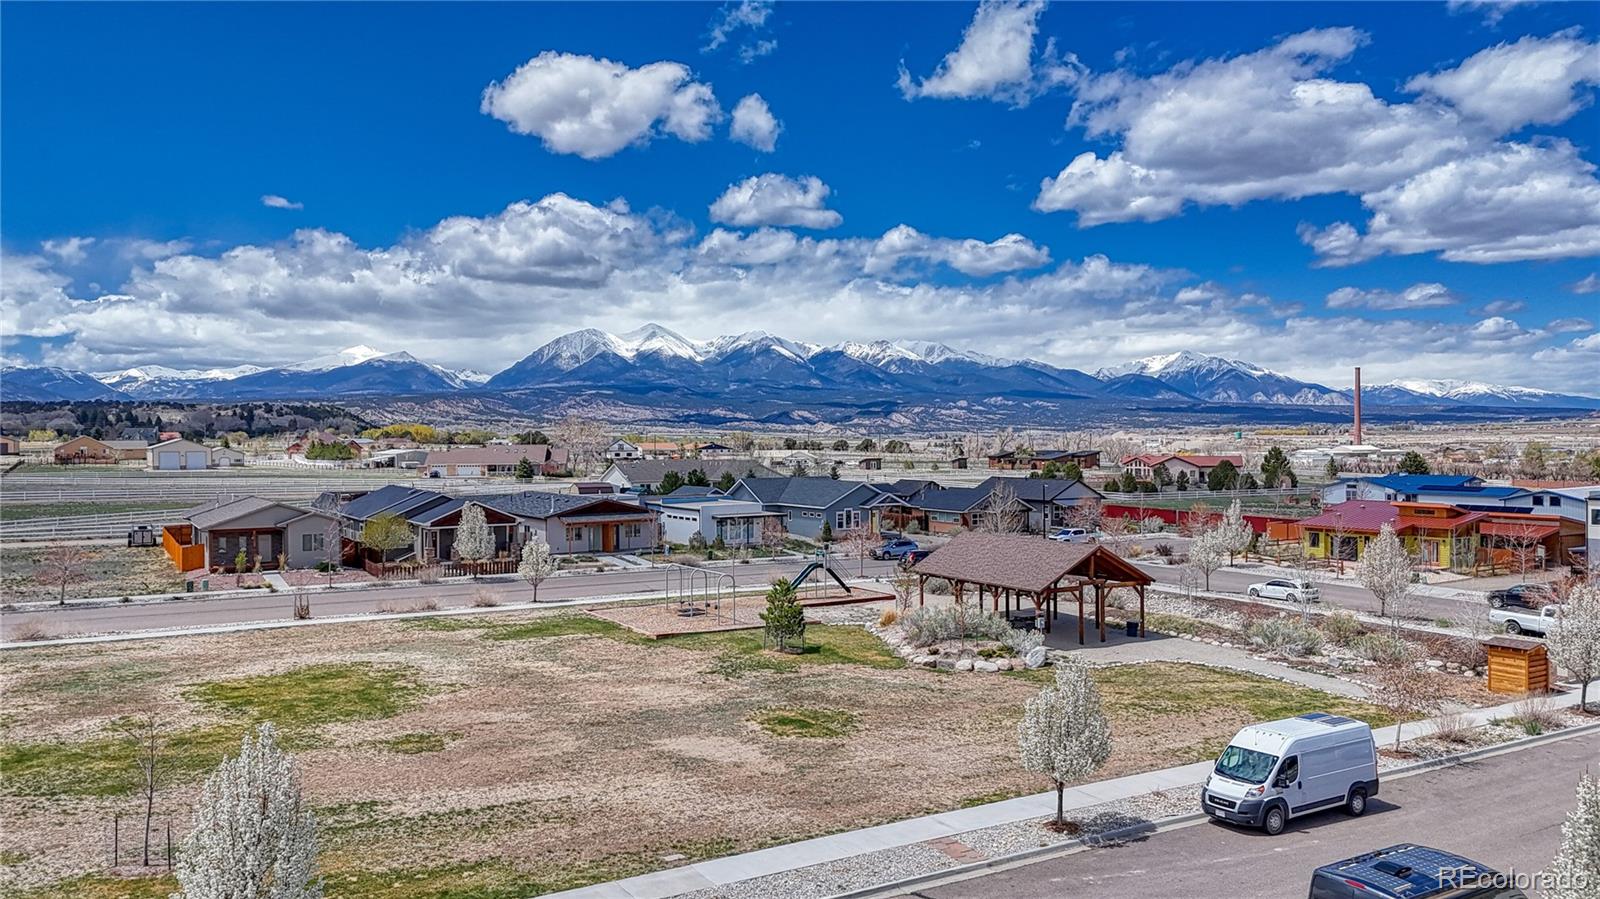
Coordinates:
407 571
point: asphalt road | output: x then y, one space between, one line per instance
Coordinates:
1505 812
1342 595
256 606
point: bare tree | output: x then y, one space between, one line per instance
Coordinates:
773 536
1000 512
146 730
1522 544
333 547
905 586
1085 515
584 440
62 566
1118 532
1405 689
859 542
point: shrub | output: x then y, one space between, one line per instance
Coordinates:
1164 550
1022 642
1537 714
1286 635
932 624
1453 726
914 528
1385 649
1342 628
485 599
939 585
428 574
889 617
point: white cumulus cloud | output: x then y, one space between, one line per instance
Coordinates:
1534 81
903 243
594 108
276 202
995 59
754 124
1417 296
773 199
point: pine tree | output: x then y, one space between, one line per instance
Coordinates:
1412 463
1275 468
726 482
525 470
784 618
669 482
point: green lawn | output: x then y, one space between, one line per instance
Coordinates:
29 511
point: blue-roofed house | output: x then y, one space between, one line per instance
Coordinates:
1390 487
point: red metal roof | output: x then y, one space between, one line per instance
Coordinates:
1357 515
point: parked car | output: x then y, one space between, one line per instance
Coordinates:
1279 770
1409 871
1526 596
894 549
1515 622
1291 589
913 557
1070 535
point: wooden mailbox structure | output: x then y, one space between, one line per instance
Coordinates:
1518 665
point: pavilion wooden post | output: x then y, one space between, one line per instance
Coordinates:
922 583
1141 611
1100 609
1080 613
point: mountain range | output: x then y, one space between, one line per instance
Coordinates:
758 377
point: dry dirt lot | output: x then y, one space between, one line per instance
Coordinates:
513 754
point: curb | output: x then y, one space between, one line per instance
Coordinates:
1073 847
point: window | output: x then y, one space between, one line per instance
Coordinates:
1538 500
848 519
312 543
1290 772
1315 539
630 531
1555 500
1594 517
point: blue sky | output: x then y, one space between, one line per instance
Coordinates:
1307 186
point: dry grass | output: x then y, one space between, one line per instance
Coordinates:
530 752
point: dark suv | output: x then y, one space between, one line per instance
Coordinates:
1523 596
1409 871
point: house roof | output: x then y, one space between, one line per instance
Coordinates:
953 499
208 516
1154 459
1039 490
127 444
650 471
369 504
1023 563
1476 490
498 454
171 441
812 493
1528 530
1412 483
687 490
428 514
542 504
1355 515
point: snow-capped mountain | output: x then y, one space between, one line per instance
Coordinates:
147 373
356 370
1420 391
1222 380
352 355
43 384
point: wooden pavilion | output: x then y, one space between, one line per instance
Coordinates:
1009 568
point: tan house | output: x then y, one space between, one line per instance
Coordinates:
86 450
178 455
9 446
494 461
270 534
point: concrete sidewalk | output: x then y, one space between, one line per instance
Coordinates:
778 859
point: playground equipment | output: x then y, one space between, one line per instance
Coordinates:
693 592
818 586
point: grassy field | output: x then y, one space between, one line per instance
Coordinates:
511 755
111 571
28 511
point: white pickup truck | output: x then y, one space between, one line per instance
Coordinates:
1525 621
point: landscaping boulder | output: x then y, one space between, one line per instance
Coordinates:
985 665
964 665
1035 657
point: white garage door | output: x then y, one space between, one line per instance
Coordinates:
468 471
199 460
167 460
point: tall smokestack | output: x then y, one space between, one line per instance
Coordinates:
1358 404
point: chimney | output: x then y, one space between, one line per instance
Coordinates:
1358 404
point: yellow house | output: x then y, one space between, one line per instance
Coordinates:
1437 535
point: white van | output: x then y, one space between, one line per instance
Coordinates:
1279 770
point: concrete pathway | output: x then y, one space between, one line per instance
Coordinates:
734 868
276 580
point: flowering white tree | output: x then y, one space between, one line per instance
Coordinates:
254 837
1063 733
1208 550
474 540
1385 569
1574 638
1236 533
1575 871
537 563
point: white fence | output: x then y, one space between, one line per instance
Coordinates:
90 490
83 527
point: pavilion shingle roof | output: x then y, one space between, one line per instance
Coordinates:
1016 562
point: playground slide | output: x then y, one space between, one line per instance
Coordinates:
814 566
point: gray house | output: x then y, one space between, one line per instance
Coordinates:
1048 499
646 474
808 502
264 530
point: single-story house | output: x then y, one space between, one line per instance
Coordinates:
148 435
623 450
494 461
899 505
1443 536
698 510
1391 487
808 502
715 451
178 455
870 463
647 474
358 445
212 535
1195 466
9 446
959 462
955 509
1048 499
226 457
1038 459
85 450
577 523
128 450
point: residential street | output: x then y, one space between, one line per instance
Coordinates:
1448 809
1347 594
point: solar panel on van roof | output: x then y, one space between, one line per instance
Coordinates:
1409 870
1325 718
